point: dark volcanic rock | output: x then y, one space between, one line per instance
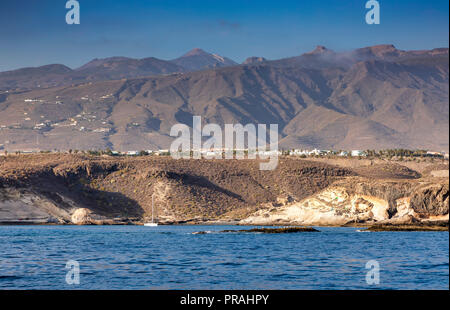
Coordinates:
441 226
431 200
284 230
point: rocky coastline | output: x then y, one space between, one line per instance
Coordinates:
86 190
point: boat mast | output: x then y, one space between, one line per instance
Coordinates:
152 209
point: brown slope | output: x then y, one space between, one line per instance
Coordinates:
183 189
29 78
372 104
121 67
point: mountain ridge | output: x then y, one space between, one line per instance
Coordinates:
397 102
118 67
109 68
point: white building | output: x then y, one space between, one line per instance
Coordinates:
298 152
357 153
318 152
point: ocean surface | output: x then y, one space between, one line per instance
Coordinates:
171 257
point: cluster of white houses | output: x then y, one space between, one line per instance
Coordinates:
137 153
219 153
316 152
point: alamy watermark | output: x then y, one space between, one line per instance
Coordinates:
190 146
73 15
373 275
73 275
373 15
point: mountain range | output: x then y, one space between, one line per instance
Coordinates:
112 68
368 98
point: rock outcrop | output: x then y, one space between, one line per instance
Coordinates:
82 216
361 201
431 200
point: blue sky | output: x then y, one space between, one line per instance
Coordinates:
34 32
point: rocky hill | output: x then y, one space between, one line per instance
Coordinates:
64 188
197 59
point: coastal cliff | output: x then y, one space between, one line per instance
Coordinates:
362 201
82 189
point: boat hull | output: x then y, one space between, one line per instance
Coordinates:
151 224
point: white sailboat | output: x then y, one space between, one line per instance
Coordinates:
152 223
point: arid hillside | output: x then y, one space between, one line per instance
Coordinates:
372 98
50 188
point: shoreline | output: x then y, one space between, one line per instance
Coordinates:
375 227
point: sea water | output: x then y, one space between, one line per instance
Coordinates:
174 257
